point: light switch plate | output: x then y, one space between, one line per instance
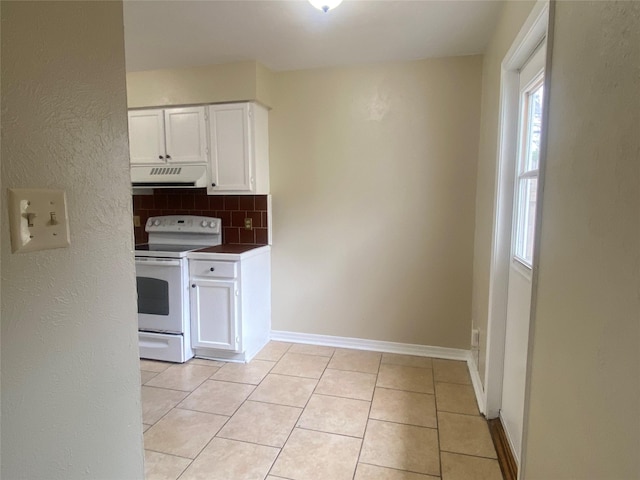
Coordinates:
38 219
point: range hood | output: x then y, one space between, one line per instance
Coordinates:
187 176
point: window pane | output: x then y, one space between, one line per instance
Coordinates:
534 125
526 220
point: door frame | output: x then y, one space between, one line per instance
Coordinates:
532 33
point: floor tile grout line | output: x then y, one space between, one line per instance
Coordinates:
330 433
175 389
247 442
400 470
178 407
469 455
404 424
303 409
460 413
364 434
438 434
342 398
169 454
272 403
404 390
408 391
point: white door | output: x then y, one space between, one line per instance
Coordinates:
522 238
213 314
186 135
146 137
229 133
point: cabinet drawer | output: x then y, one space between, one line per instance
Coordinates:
212 269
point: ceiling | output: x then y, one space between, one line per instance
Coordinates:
291 34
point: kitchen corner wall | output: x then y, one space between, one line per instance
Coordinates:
231 209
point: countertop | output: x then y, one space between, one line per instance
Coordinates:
230 251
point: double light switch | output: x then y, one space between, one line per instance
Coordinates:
38 219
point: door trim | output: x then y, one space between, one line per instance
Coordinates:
532 33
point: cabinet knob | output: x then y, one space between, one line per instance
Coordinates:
193 285
213 184
212 269
160 157
168 157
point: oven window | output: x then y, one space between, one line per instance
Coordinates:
153 296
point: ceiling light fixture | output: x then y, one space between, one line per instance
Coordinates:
325 5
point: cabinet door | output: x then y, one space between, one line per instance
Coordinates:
146 137
231 158
214 314
186 135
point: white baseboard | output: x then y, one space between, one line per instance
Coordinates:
390 347
477 383
373 345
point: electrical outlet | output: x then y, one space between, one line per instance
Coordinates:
248 224
136 220
475 337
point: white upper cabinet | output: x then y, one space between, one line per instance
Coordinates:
146 136
186 135
238 136
168 136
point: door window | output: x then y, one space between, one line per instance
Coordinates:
526 184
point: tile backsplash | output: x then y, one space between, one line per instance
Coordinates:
232 209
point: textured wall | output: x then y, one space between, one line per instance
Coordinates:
513 16
585 383
70 382
373 182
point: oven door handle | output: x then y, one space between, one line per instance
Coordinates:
164 262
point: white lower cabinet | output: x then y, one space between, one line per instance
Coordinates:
214 314
230 304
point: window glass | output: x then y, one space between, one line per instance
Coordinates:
527 219
534 127
527 176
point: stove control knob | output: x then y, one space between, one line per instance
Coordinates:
156 222
203 223
212 224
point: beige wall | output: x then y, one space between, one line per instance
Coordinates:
232 82
373 180
584 421
513 16
70 378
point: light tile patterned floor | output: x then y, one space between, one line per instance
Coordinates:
304 412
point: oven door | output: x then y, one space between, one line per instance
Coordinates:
161 300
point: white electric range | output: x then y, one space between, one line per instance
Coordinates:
162 277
